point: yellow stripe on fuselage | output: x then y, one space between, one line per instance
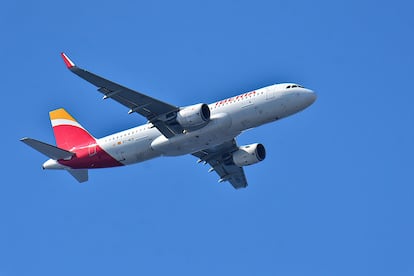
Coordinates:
60 114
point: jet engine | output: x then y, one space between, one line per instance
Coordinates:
194 116
249 155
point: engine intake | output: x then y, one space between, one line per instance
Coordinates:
194 117
249 155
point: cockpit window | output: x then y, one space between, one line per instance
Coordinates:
293 86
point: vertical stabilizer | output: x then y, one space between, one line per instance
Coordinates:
69 134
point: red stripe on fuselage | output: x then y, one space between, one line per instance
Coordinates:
89 154
90 157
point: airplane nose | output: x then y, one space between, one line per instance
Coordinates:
311 97
308 96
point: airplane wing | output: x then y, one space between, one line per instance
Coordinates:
160 114
220 159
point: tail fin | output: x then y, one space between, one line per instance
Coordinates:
68 132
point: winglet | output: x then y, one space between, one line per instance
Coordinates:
67 61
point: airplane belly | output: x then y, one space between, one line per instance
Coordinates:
132 150
216 132
136 153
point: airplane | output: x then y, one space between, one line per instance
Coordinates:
207 131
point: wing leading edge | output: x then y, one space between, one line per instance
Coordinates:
220 160
159 113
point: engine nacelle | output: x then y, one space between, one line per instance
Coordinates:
194 116
248 155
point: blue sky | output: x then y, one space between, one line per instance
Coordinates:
333 197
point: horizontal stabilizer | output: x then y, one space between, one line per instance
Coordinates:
48 150
81 175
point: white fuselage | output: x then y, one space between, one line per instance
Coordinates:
229 118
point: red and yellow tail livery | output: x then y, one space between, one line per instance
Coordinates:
69 134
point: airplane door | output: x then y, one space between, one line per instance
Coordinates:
121 156
270 93
249 114
92 149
